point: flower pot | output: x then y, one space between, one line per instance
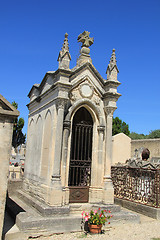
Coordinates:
95 228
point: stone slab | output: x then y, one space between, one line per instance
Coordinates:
139 208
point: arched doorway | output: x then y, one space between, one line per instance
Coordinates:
81 156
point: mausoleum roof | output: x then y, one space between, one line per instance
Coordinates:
6 108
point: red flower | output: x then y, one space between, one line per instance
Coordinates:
109 223
99 208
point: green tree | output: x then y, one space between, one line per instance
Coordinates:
154 134
134 135
18 136
118 126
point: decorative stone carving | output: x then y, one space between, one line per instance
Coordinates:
97 101
112 69
86 43
101 129
67 124
64 55
109 111
60 103
85 39
73 96
86 90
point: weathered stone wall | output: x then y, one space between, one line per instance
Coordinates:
7 115
123 147
6 130
152 144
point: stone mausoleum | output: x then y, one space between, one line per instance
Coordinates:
69 140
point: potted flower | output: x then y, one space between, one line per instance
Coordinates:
95 219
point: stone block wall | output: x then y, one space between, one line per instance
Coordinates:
152 144
6 130
7 115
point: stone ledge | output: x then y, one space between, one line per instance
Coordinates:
43 208
57 224
139 208
79 207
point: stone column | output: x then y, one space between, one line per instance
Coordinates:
56 196
96 188
108 186
65 167
101 130
58 140
67 127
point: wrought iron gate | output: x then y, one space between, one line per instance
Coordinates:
80 161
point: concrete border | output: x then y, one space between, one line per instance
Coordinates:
139 208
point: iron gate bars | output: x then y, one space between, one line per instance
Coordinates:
81 154
137 184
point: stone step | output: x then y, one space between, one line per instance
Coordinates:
124 216
30 220
79 207
71 223
18 205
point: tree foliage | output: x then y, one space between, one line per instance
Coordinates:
18 136
134 135
118 126
152 134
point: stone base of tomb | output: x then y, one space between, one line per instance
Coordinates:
56 196
34 216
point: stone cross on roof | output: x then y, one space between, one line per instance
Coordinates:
85 39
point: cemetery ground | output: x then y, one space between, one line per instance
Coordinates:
147 229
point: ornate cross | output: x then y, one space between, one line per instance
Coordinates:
85 39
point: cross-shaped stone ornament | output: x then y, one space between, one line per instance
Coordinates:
85 39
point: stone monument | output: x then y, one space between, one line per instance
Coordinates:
69 140
7 114
69 145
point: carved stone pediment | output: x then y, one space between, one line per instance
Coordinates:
84 89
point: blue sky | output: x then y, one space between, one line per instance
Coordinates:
32 34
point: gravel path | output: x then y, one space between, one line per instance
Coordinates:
148 229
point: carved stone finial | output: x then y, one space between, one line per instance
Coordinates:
112 68
85 39
113 61
65 47
86 43
64 55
